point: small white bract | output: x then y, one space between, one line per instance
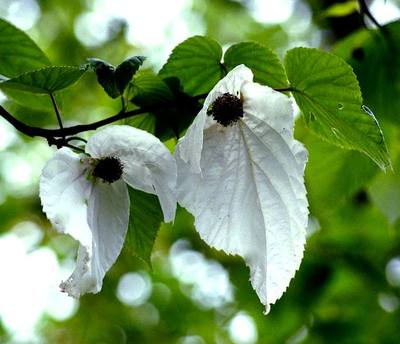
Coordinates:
87 196
240 173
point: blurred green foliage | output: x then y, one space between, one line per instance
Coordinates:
336 296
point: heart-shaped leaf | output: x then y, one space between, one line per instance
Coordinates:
327 92
263 62
196 63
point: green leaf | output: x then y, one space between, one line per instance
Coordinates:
374 56
327 92
146 121
150 90
147 91
33 102
126 70
196 63
263 62
18 53
144 222
45 81
105 76
171 111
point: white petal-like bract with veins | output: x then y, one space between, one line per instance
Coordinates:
94 211
244 183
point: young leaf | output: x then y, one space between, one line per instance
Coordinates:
126 70
196 63
263 62
18 53
327 92
46 80
114 80
105 76
144 222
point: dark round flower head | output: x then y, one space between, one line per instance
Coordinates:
109 169
226 109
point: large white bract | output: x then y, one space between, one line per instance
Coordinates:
95 212
244 182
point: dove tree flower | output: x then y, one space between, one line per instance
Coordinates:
240 173
86 196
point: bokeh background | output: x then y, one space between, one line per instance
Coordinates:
348 287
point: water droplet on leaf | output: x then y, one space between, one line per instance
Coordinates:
335 132
340 106
367 110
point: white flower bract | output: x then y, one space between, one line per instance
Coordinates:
244 183
96 213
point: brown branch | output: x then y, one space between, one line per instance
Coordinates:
66 131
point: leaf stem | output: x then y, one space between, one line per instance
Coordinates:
57 111
123 103
76 138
